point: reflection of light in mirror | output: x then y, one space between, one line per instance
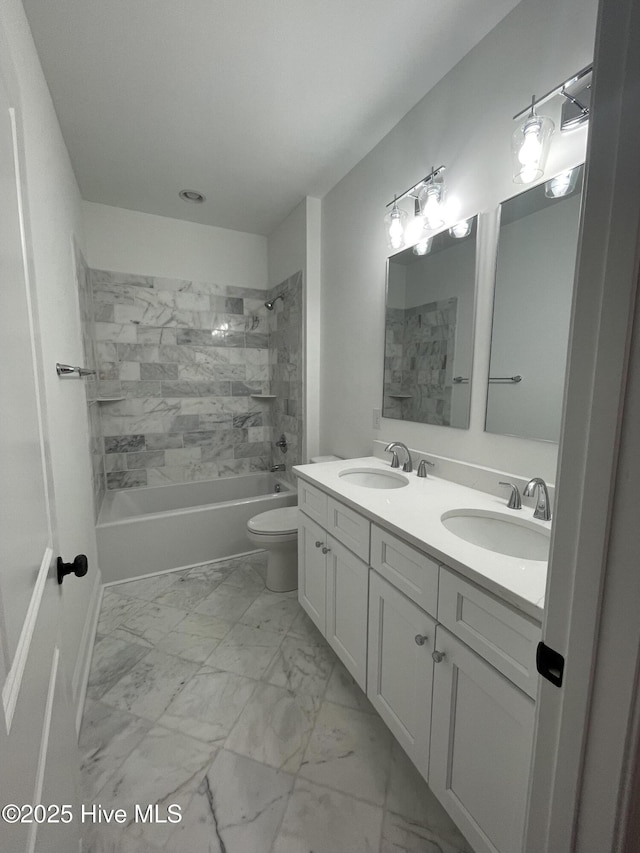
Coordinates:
219 332
562 184
424 246
461 229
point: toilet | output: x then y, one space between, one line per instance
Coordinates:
277 532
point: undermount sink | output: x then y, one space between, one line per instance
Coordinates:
502 534
374 478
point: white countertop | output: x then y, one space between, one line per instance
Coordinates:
413 512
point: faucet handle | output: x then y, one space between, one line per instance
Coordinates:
515 501
395 462
422 467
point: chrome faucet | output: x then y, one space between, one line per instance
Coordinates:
543 508
275 468
391 448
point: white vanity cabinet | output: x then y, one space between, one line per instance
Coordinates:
481 740
333 580
448 665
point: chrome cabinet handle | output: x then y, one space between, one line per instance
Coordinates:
421 639
318 544
438 657
326 550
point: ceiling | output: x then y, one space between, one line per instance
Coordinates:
255 103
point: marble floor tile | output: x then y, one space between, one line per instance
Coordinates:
188 646
112 658
148 588
247 578
151 622
209 704
115 609
349 750
301 667
343 690
187 592
201 625
274 728
237 808
409 797
400 835
273 611
151 685
106 739
319 820
214 573
161 770
304 628
226 602
245 651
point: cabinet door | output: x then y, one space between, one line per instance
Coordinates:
482 733
347 609
400 671
312 583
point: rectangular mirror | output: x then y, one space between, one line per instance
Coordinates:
535 266
429 324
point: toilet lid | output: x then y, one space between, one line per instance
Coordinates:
274 521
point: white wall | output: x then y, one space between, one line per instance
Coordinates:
55 218
296 245
132 242
465 122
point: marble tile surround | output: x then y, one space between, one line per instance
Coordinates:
186 356
419 350
284 757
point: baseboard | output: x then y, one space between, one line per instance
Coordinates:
183 568
83 662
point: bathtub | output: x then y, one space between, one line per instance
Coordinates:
152 529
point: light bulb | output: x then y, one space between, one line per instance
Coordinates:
530 147
394 221
430 200
461 229
529 154
423 247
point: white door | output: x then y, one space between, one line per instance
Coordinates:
38 753
347 609
481 740
400 678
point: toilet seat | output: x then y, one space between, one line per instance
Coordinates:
275 522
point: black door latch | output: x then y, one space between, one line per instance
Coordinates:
550 664
79 567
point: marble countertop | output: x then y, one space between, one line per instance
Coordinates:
413 512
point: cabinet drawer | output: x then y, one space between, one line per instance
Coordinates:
410 571
505 638
313 502
349 527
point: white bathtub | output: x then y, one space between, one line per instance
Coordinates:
152 529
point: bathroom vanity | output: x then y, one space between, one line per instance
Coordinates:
439 632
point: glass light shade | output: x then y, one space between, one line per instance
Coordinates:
461 229
431 203
395 221
562 184
530 144
423 247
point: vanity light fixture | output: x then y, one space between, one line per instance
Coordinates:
530 143
395 221
423 247
428 195
461 229
563 184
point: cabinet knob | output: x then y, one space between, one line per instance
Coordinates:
438 657
421 639
318 544
326 550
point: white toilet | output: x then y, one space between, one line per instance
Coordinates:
277 532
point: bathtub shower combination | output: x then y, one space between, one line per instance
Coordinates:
147 530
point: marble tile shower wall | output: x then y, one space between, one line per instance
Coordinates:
286 371
85 300
419 355
186 357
